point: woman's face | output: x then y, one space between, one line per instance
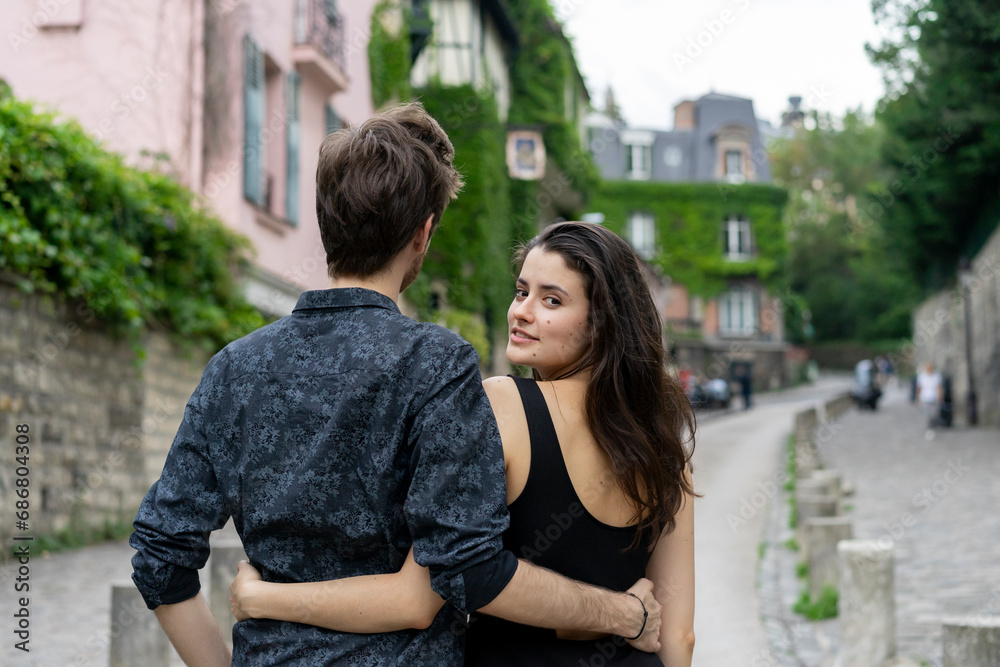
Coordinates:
547 321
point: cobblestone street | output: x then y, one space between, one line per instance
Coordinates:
934 494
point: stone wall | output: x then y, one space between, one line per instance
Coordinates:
939 335
99 423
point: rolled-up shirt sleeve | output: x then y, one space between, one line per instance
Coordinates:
456 506
175 519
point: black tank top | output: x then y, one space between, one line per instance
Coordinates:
550 527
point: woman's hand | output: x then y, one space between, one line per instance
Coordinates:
243 590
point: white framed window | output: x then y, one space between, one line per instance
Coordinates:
739 243
638 154
735 173
638 161
738 312
641 233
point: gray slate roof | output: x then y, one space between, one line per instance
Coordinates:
712 112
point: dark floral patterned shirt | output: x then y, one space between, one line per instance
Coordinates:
335 438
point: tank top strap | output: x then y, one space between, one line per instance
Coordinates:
546 456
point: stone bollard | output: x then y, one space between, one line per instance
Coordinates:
866 604
810 486
805 422
221 572
821 536
806 458
136 636
811 506
829 479
971 641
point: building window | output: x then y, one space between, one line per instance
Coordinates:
641 233
738 312
734 167
638 161
253 120
739 244
62 14
294 131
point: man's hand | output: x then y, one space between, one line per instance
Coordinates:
241 591
649 640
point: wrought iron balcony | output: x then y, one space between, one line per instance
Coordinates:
319 41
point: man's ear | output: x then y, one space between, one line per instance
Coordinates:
422 239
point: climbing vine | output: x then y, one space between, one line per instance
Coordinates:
133 247
689 221
389 54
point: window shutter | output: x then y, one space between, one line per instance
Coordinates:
253 115
293 126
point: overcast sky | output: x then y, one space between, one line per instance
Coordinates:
656 53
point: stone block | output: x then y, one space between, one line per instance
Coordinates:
820 544
971 641
136 636
866 604
829 479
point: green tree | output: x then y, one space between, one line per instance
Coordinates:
840 261
942 120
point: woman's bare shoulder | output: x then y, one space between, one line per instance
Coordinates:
500 387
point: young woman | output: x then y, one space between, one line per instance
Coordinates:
598 481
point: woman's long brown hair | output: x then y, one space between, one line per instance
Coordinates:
637 412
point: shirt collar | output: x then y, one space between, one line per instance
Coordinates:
345 297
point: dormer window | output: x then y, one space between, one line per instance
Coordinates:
638 164
638 154
739 243
735 172
733 143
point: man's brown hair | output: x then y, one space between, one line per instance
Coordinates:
376 185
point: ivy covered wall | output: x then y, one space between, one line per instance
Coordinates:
690 221
542 69
470 252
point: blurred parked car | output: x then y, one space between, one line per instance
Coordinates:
866 390
717 393
710 394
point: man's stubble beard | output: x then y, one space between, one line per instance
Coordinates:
413 272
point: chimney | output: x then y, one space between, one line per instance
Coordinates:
794 116
684 115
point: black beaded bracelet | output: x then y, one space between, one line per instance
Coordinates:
645 615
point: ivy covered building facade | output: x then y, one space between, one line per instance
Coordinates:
696 203
486 70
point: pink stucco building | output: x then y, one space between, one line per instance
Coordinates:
233 97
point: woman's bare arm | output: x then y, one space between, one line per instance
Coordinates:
362 604
671 568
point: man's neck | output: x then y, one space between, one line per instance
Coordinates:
387 284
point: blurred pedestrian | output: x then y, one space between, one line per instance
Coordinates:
746 384
930 393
